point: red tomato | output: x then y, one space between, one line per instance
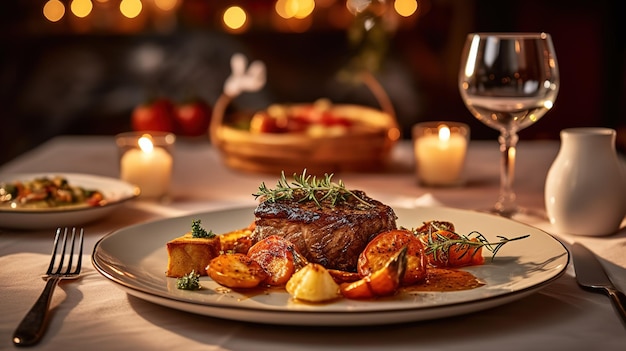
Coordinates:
193 118
297 124
262 122
157 115
456 255
387 244
329 120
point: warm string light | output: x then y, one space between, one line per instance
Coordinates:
405 8
296 15
166 5
53 10
235 18
294 8
81 8
131 8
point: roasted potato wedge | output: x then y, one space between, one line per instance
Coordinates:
237 241
237 271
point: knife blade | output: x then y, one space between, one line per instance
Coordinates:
591 275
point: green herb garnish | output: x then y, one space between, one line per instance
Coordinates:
190 281
198 232
439 245
308 188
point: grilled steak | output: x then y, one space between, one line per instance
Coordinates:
331 235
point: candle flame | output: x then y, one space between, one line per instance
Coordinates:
145 143
444 132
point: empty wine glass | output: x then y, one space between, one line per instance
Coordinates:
508 81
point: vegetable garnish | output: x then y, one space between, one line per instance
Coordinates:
440 245
190 281
197 231
308 188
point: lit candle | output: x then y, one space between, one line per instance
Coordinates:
440 153
148 167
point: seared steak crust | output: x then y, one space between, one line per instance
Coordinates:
331 235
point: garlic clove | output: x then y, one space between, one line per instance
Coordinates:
313 283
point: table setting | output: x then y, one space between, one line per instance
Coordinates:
539 291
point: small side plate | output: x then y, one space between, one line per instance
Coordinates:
115 192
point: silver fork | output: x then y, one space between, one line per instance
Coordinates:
32 327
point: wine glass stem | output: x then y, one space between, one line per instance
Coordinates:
506 204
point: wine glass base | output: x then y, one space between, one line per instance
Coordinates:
516 211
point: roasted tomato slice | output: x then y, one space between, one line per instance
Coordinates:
278 257
385 245
383 282
236 271
343 277
451 254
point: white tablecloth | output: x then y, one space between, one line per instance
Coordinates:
93 313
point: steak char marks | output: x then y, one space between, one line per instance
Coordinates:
330 235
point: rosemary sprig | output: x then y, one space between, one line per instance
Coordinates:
308 188
440 244
197 231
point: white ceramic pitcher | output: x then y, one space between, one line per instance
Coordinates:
585 190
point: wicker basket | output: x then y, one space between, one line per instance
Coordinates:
364 149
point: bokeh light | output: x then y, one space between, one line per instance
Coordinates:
166 5
131 8
54 10
294 8
235 18
81 8
405 8
294 16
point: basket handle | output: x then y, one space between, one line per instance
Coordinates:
380 95
218 117
243 78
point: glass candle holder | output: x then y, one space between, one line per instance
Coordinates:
146 160
440 148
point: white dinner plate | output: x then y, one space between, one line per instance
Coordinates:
115 192
135 259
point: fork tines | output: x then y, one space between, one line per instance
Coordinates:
68 238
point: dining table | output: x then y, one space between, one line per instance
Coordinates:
93 313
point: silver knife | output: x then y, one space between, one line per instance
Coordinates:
591 275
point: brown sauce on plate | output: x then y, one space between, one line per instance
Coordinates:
437 280
441 279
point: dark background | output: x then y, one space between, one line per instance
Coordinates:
61 78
